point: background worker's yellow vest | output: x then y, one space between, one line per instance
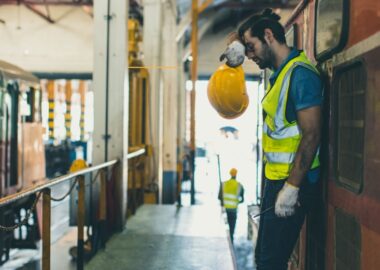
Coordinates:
281 138
231 190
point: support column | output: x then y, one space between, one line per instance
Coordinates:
111 89
152 36
170 99
160 53
181 121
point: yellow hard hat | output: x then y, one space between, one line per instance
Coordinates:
233 172
77 165
227 92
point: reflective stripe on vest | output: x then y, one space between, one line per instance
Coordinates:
231 190
281 138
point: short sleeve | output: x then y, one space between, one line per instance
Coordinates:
305 89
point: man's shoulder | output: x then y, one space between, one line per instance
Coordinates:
301 73
305 88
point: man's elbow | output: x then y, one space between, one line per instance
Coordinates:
313 137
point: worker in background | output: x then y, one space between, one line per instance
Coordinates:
230 195
186 167
291 135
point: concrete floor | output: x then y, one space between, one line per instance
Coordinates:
166 237
160 237
244 253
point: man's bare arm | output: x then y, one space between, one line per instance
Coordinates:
309 121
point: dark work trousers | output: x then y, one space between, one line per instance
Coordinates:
277 236
231 218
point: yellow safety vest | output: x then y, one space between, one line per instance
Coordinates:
231 192
281 138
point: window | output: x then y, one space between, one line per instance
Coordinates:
331 27
291 36
349 115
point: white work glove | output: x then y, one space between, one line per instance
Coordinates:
286 201
235 54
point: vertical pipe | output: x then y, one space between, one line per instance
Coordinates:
106 134
133 173
80 222
46 207
258 178
220 181
194 76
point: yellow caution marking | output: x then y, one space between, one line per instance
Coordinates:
153 67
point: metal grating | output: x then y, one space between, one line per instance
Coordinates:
350 91
347 242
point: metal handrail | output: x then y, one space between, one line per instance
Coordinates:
49 183
44 189
136 153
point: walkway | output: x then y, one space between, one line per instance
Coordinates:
169 238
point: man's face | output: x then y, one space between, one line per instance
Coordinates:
257 51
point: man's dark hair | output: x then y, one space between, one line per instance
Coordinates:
259 22
244 26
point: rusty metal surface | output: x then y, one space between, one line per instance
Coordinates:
81 219
46 233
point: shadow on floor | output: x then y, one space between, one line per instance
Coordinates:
244 253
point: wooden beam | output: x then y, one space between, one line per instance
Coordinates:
34 9
186 19
46 2
204 5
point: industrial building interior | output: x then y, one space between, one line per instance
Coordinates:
114 130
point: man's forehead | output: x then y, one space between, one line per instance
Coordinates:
247 37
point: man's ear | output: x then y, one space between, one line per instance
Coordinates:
268 36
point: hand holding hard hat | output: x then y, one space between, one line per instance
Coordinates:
227 91
235 54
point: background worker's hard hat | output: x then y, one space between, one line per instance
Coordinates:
233 172
227 92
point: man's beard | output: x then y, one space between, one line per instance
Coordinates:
268 59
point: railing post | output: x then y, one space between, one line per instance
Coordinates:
103 207
46 213
134 202
80 222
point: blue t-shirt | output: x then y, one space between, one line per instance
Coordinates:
305 92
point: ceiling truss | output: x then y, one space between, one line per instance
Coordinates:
41 7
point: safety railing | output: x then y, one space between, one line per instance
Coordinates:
44 189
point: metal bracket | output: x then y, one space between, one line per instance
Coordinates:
109 17
106 137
